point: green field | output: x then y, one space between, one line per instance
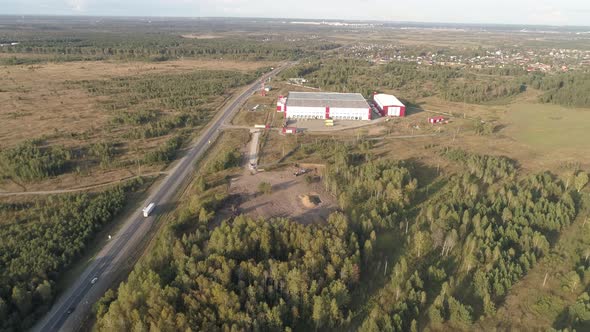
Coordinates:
549 127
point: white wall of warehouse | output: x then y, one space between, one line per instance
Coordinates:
393 111
306 112
338 113
349 113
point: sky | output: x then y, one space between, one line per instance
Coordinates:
542 12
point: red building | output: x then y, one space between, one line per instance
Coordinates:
389 105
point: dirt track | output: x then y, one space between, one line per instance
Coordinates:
64 191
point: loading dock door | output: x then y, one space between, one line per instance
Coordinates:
393 111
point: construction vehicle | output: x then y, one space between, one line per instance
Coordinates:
301 171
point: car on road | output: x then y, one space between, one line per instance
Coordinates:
94 280
70 310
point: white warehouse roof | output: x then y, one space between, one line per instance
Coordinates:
387 100
329 99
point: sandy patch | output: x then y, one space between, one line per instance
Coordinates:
291 197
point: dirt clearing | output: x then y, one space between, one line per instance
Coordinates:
291 197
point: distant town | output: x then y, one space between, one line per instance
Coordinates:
542 60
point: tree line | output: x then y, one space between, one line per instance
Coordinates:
158 47
567 89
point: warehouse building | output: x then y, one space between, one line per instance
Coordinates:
324 105
389 105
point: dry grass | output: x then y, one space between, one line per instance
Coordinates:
540 137
38 103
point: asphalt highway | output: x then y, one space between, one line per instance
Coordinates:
70 310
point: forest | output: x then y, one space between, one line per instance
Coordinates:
470 243
567 89
42 239
461 249
247 275
97 46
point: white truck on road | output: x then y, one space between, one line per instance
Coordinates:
148 209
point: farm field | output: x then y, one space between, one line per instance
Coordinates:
549 128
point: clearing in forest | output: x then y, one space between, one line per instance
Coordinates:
290 197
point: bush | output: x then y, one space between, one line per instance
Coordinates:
28 161
264 188
226 160
164 154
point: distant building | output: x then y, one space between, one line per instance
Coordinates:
324 105
297 80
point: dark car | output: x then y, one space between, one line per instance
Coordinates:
70 310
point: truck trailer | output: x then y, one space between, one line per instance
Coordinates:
148 209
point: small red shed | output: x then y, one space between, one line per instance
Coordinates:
436 119
289 130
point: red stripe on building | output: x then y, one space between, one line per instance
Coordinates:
327 112
402 111
370 115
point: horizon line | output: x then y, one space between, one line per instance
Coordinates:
296 18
